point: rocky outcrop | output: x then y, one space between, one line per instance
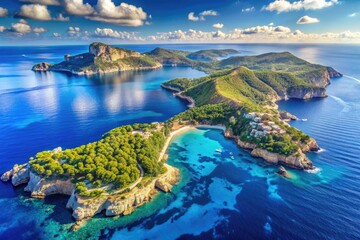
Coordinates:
19 174
101 59
86 207
287 116
282 172
110 54
296 160
41 67
333 73
121 204
306 92
310 146
40 187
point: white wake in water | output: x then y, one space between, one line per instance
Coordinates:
314 171
320 150
346 105
353 78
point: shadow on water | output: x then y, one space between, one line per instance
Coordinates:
60 214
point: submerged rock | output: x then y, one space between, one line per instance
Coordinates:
282 172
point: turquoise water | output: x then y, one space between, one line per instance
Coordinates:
217 197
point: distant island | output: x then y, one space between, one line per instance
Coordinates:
124 168
103 58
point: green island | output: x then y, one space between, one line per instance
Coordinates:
123 169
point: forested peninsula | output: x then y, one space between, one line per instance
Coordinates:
125 168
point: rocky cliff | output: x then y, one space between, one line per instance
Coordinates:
110 54
306 92
86 207
101 58
121 204
296 160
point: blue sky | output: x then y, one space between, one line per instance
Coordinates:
146 21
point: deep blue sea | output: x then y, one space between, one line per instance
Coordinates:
217 197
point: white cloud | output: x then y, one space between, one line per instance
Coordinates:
110 33
124 14
3 12
61 18
2 29
286 6
78 8
271 24
219 34
202 15
266 29
307 20
218 25
73 31
209 13
43 2
20 27
39 30
251 34
106 11
255 34
192 17
353 14
250 9
34 11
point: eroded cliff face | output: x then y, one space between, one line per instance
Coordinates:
110 54
18 175
122 204
306 93
296 160
40 187
86 207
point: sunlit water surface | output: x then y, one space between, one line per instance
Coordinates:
217 197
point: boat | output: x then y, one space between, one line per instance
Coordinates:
232 157
218 150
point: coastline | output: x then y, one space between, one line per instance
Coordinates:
184 129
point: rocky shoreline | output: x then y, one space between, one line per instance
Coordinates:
86 207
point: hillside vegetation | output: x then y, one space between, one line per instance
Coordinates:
242 86
113 160
211 54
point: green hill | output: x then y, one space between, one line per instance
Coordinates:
170 57
242 86
282 62
210 54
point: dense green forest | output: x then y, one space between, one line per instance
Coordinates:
111 160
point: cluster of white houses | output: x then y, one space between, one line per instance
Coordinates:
262 127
